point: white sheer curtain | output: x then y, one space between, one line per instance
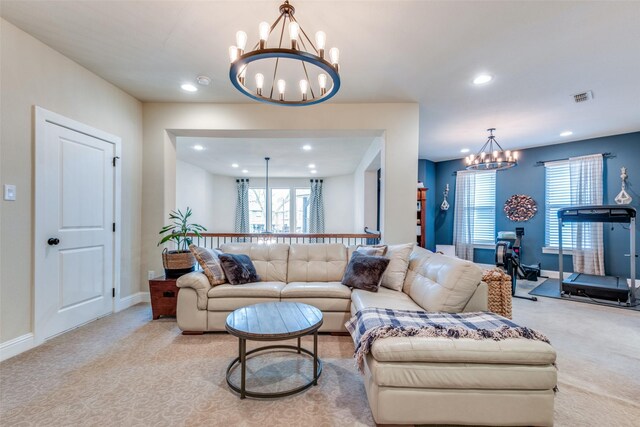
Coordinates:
586 189
463 220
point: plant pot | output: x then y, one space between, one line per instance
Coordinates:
177 263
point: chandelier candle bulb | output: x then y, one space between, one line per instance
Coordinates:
321 39
241 41
304 87
281 87
233 53
259 83
322 81
264 29
294 30
334 54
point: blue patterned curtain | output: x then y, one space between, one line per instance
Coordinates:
242 206
316 207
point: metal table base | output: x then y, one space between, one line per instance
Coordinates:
241 361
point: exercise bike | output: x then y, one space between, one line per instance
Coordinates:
508 257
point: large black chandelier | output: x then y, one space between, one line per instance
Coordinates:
303 59
492 156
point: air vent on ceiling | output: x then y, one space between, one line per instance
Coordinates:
583 96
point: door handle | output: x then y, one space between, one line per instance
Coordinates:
53 241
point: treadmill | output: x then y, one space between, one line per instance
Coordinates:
603 287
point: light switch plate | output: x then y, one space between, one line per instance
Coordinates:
9 192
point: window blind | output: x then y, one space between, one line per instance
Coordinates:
557 191
484 209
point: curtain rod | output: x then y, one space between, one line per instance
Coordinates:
542 162
316 180
242 180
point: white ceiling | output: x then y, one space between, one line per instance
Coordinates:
391 51
332 155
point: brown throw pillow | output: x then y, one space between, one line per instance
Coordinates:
238 268
210 264
365 272
375 250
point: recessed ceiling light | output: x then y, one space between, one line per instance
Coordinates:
314 171
482 79
234 165
188 87
245 171
566 133
198 147
464 150
306 147
312 166
203 80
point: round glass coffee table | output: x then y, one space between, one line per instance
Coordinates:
273 321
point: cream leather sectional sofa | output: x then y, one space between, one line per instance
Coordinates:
408 380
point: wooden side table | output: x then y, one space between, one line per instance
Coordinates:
164 297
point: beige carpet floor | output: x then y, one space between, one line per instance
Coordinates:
127 370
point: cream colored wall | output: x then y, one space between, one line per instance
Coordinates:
398 122
338 204
365 188
213 197
34 74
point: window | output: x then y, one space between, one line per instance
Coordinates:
302 210
557 194
257 210
484 209
289 210
280 210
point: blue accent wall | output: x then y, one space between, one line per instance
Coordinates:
427 174
526 178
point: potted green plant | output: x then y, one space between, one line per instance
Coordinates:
179 261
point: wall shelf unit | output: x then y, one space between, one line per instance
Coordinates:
421 217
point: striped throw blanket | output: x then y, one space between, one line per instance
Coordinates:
370 324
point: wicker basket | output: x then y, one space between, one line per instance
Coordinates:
499 291
177 263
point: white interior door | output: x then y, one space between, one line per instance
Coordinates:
74 238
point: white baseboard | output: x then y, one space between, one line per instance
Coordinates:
131 300
16 346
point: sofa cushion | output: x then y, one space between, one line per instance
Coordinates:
365 271
316 262
518 351
238 269
394 276
210 264
270 260
384 298
326 305
315 290
440 283
476 376
249 290
227 305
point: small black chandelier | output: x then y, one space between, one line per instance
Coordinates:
303 57
492 156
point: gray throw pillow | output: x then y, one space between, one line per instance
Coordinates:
377 250
365 272
238 268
